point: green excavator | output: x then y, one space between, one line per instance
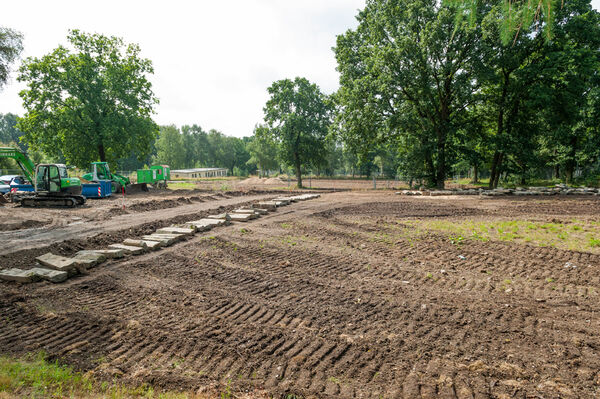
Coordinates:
51 183
101 171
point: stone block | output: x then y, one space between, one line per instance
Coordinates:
89 259
58 262
165 239
269 205
135 243
242 217
177 230
128 249
109 253
18 275
53 276
220 216
261 211
207 224
281 201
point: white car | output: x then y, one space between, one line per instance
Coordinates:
6 180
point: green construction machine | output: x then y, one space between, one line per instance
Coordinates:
157 176
50 183
101 171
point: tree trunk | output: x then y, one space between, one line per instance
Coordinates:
298 173
570 164
557 171
101 153
498 170
475 178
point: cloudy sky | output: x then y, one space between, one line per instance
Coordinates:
213 60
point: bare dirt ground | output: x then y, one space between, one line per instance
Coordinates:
335 297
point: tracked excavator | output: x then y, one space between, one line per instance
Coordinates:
51 182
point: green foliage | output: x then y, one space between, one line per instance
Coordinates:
515 15
92 101
298 116
169 147
406 78
192 147
263 150
441 88
11 45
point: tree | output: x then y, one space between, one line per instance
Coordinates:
263 150
408 70
9 134
169 147
515 17
11 45
298 115
89 102
571 74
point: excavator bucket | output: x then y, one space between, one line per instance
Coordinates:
136 188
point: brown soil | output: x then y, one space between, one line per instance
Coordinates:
325 299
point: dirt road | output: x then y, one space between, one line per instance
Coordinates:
336 297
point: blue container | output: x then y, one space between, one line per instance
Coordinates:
90 190
22 187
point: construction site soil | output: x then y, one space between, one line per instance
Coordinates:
334 297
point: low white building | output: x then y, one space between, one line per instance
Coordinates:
198 173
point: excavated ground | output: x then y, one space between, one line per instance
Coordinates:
335 297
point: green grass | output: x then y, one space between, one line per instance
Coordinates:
575 235
34 376
182 186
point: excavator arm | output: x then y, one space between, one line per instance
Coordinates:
26 164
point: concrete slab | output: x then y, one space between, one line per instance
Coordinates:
177 230
109 253
149 244
261 211
135 243
207 224
283 201
242 217
53 276
89 259
165 239
57 262
269 205
128 249
288 200
220 216
18 275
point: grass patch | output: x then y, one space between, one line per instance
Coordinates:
182 186
573 235
34 376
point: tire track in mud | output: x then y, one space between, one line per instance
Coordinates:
329 315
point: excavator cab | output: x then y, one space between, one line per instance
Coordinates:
47 178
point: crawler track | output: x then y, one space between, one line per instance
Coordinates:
330 298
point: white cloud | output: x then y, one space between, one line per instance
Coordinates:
213 60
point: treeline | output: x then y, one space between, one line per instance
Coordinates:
432 89
439 86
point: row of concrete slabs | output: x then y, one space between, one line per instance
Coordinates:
57 268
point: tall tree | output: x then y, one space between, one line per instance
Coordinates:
571 74
298 115
92 101
408 69
11 45
170 148
263 150
9 134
